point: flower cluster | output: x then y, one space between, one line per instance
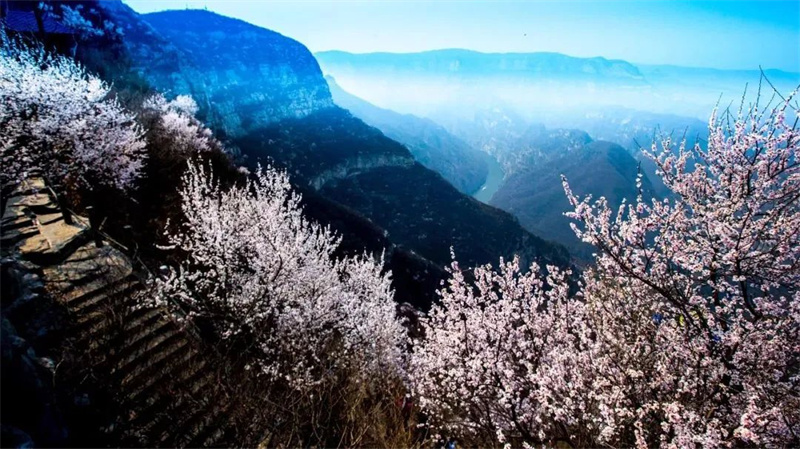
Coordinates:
260 271
59 120
492 363
174 128
685 333
73 18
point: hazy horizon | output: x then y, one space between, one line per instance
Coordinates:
728 35
635 63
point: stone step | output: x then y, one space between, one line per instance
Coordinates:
171 391
194 378
158 387
212 432
25 219
87 282
16 221
198 420
175 415
54 242
168 338
33 184
160 401
37 201
113 296
211 439
128 323
145 329
155 368
202 423
89 325
11 237
142 315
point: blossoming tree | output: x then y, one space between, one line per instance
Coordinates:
58 120
173 128
260 271
709 281
685 333
492 361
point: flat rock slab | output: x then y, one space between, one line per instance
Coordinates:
54 242
86 270
39 202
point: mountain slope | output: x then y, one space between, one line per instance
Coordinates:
328 151
356 165
533 192
638 130
430 144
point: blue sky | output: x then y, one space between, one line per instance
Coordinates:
720 34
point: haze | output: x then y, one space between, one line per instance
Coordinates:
717 34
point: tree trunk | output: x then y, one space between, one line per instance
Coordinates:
62 204
94 224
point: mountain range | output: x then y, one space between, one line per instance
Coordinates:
537 85
402 178
531 160
473 63
540 115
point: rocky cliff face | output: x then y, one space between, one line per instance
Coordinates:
357 166
147 53
252 76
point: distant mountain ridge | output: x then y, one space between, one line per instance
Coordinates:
530 63
675 71
469 62
536 84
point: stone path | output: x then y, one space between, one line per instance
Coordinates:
166 386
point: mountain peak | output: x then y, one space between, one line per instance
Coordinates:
253 76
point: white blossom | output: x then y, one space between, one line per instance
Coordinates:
261 271
175 126
59 120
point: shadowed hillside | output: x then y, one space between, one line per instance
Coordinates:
534 194
430 144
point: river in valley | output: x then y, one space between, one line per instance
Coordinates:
493 181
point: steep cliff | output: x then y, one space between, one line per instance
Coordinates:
242 76
356 165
